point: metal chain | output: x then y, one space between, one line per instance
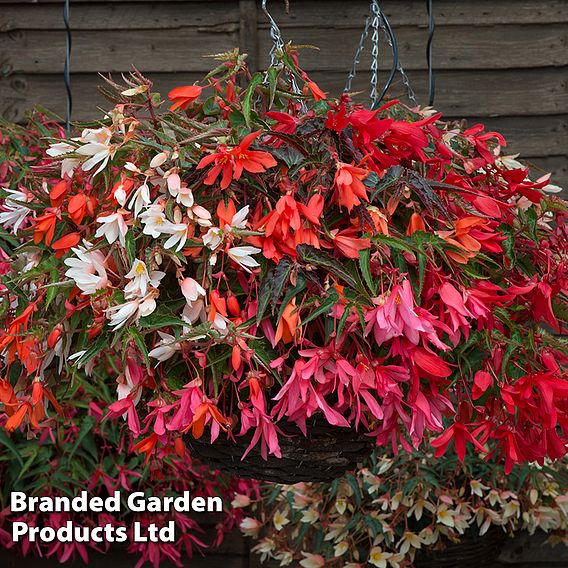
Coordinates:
376 26
67 67
277 45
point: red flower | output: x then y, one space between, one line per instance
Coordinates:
182 97
460 436
232 161
349 189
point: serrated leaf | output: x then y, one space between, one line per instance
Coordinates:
281 277
365 265
264 295
317 257
139 340
324 307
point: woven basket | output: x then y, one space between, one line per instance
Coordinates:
327 453
473 551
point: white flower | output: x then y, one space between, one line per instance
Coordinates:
68 165
310 516
240 501
165 348
445 516
213 238
340 548
15 212
159 159
154 220
200 215
312 560
132 311
179 233
242 256
409 539
183 194
239 219
477 487
97 146
250 526
113 227
140 198
125 385
87 269
192 290
140 279
194 311
378 558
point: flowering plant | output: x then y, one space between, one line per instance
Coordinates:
258 255
402 506
75 449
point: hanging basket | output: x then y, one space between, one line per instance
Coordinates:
327 454
473 551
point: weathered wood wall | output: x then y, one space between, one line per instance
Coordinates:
503 62
499 61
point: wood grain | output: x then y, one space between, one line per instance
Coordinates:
182 48
307 13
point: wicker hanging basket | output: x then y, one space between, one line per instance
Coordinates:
473 551
325 455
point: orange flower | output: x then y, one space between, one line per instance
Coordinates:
317 93
182 97
45 228
57 193
349 188
77 208
416 224
288 323
8 397
348 244
225 213
64 244
202 414
147 445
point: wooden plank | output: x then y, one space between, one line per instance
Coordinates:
248 32
459 47
325 13
455 47
459 93
537 136
109 51
557 165
19 93
119 16
519 92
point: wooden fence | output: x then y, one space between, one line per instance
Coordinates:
502 62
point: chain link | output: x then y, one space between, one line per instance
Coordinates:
278 45
357 56
376 26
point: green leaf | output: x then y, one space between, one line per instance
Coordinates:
139 340
324 307
256 80
365 265
6 441
272 82
264 295
86 427
281 278
317 257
